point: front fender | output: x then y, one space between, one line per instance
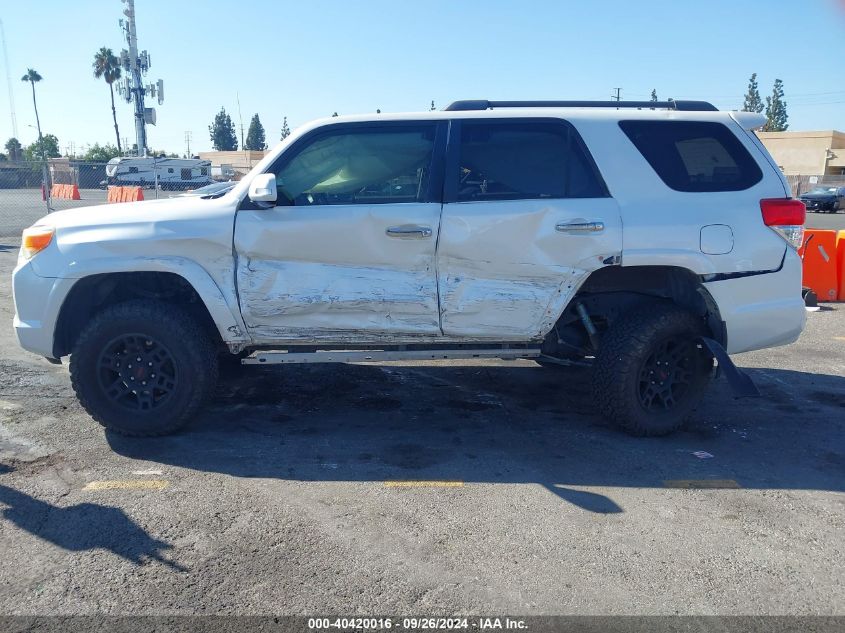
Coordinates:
223 307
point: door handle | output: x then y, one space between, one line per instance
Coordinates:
409 232
580 227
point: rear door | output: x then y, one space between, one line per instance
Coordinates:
526 217
347 253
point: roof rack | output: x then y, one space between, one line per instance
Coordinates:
482 104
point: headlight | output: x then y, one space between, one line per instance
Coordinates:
35 239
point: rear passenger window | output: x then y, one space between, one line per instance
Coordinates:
524 160
694 156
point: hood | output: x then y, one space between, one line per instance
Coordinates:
147 212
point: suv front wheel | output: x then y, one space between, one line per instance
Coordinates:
651 370
143 368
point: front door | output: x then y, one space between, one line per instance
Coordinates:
348 252
526 218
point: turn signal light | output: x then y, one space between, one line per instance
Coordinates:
35 239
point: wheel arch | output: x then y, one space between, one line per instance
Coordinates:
613 291
190 286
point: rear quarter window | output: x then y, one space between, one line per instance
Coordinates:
694 156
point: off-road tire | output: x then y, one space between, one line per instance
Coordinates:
621 370
187 348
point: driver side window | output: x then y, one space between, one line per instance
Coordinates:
366 165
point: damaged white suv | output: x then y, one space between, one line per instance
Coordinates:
642 239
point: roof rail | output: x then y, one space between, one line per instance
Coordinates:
482 104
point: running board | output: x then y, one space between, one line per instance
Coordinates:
370 356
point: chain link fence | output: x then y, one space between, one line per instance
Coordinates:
801 183
28 190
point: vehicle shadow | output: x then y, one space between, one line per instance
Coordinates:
501 423
84 526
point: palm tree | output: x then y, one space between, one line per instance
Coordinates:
33 78
107 66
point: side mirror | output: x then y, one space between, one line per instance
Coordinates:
263 188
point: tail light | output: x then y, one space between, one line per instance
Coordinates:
785 217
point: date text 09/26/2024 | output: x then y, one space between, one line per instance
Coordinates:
416 623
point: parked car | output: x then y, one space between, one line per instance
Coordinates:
214 190
640 239
824 198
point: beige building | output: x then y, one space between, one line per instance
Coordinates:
807 153
241 160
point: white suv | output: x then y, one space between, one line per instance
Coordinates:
642 239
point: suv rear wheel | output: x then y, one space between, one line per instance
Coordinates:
143 368
651 372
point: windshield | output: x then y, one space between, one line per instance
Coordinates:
823 190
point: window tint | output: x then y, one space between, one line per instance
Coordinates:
386 164
694 156
533 159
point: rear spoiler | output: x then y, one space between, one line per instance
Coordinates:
749 120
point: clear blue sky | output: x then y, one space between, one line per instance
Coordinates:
306 59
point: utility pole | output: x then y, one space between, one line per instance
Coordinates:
618 96
188 137
133 90
240 118
9 82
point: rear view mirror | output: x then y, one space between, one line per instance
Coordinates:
263 188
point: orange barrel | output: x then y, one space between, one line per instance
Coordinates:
820 263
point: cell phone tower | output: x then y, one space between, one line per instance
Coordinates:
136 65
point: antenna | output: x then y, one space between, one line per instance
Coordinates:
133 90
9 82
240 118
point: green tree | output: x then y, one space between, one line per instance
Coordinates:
33 78
107 66
334 115
776 116
13 146
255 138
654 95
285 129
46 147
101 153
222 131
752 102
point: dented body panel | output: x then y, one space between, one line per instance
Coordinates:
506 270
310 273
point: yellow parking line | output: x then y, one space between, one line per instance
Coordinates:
701 483
839 338
423 484
128 484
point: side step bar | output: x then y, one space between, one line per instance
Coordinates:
375 356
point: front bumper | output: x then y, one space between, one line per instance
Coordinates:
764 310
37 304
